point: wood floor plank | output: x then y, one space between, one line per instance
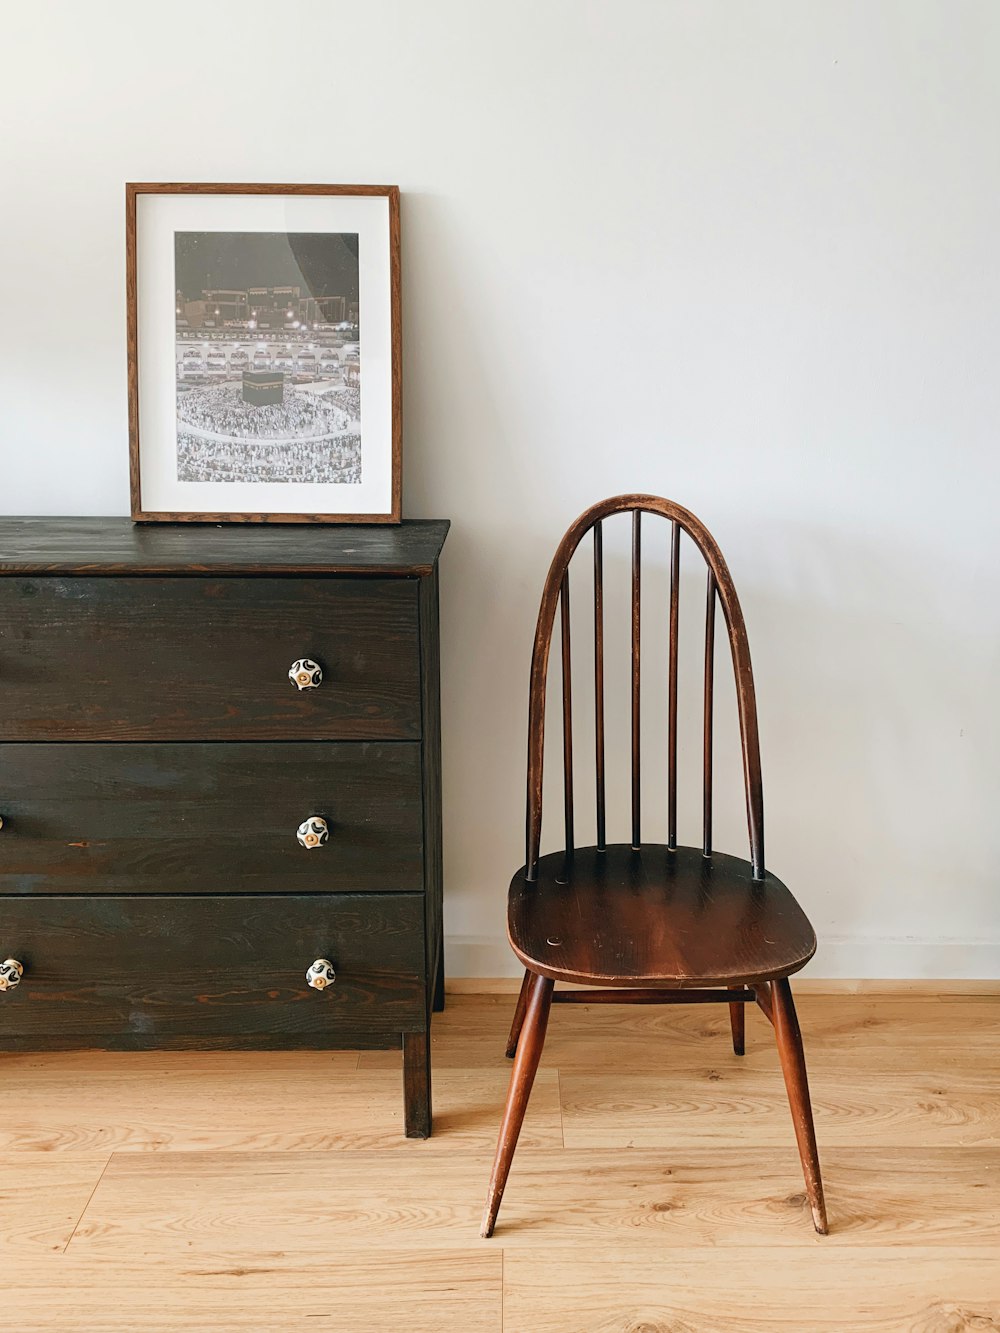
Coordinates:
690 1291
750 1196
838 1029
734 1102
173 1101
42 1198
422 1292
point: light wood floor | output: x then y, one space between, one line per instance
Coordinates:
656 1189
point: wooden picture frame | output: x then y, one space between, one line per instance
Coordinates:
178 466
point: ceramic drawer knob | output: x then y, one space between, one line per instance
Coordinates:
321 974
11 972
305 674
313 832
1 821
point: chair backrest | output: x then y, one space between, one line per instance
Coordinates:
555 596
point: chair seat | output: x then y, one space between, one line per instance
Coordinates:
656 917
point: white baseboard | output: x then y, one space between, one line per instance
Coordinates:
842 964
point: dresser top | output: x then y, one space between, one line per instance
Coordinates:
118 546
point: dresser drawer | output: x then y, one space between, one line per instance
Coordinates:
211 818
136 971
207 658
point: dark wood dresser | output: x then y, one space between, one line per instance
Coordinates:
220 788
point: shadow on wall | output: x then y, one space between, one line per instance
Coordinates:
881 737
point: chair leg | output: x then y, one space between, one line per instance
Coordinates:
515 1027
793 1066
529 1049
737 1021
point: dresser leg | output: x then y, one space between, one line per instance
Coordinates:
439 981
417 1084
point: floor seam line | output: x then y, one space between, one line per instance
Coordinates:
503 1289
90 1200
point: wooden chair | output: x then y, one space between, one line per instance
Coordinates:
652 923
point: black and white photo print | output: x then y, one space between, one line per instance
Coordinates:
268 357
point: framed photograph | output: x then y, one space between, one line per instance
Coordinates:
264 375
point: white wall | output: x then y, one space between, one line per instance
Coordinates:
744 255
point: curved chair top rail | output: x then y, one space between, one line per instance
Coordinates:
555 596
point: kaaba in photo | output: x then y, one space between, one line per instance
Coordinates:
263 387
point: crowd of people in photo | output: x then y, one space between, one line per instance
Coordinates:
221 410
337 460
348 398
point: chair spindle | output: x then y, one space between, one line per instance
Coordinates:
599 683
709 702
675 573
636 608
567 712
